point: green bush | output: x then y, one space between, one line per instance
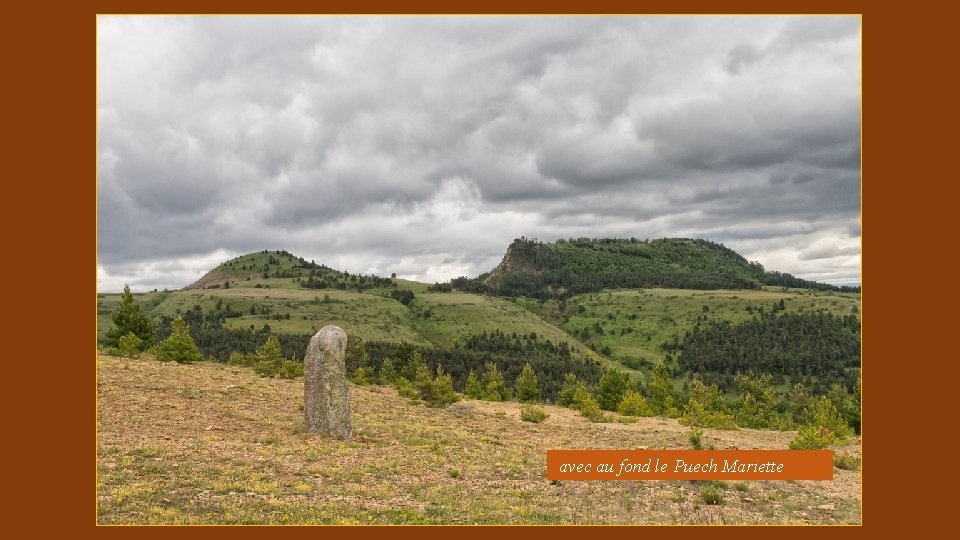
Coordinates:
696 439
565 398
705 408
591 410
179 346
611 389
633 404
532 413
405 388
846 462
712 495
694 414
826 428
239 359
130 345
290 369
757 407
362 376
437 391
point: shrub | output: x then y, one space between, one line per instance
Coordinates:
569 389
239 359
437 391
711 494
705 408
179 346
758 403
591 410
362 376
847 405
633 404
130 345
405 388
694 414
532 413
847 462
611 389
696 439
290 369
826 428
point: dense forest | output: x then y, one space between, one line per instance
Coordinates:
568 267
509 352
797 344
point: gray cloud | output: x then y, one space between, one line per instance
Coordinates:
424 145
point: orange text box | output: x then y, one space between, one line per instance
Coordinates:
689 464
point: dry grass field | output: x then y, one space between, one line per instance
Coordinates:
210 443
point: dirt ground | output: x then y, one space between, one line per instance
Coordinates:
210 443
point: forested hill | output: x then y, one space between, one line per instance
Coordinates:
567 267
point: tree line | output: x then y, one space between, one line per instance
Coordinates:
805 343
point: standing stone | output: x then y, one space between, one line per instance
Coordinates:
326 396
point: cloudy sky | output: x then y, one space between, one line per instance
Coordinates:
425 145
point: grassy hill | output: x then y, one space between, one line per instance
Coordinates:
361 305
210 443
635 322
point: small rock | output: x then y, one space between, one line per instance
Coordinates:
830 506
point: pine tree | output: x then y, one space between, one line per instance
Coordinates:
474 389
128 318
757 407
527 388
633 404
356 354
269 358
179 346
611 388
495 389
130 345
388 372
407 360
662 398
705 408
825 428
568 390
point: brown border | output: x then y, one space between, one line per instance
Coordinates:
51 81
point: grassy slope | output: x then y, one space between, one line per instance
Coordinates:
209 443
371 314
660 313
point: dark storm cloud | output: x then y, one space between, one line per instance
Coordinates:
424 145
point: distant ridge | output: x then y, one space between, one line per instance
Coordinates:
567 267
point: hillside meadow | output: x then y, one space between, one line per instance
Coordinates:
212 443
